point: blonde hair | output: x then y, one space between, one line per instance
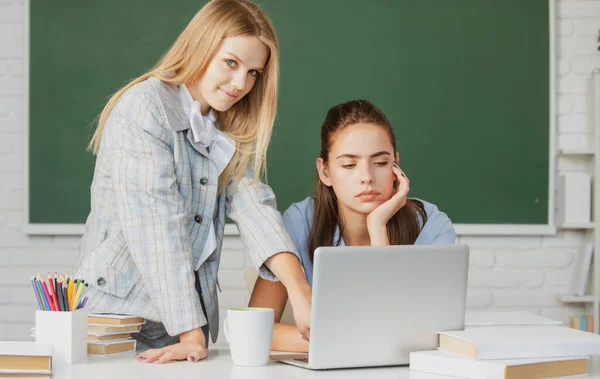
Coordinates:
249 121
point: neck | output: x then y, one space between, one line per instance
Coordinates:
204 107
355 227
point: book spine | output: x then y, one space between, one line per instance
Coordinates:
534 349
455 367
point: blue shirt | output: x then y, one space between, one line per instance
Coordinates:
298 220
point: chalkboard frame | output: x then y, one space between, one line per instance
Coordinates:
230 229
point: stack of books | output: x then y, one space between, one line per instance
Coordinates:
25 359
110 333
582 323
507 350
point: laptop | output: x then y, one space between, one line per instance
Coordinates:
373 305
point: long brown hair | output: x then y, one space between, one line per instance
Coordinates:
249 121
403 228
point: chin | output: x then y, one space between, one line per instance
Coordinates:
366 208
219 106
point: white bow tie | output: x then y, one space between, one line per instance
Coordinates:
219 145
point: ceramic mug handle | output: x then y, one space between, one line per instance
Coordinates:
225 330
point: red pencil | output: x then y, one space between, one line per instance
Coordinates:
50 301
53 292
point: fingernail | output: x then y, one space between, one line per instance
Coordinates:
191 358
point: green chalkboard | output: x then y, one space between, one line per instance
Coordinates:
465 84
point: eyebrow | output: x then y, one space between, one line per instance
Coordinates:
354 156
242 62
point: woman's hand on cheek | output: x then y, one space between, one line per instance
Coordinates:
378 218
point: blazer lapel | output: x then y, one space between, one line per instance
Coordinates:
175 116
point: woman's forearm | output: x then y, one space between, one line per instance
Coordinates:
288 338
287 268
378 235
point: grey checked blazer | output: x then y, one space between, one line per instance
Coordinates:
153 194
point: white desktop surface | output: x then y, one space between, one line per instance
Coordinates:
219 365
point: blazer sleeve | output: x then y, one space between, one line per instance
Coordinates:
251 204
153 217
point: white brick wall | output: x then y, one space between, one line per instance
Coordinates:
505 272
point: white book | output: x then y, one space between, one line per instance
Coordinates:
25 348
573 200
112 315
100 334
518 343
24 358
109 342
509 318
581 270
443 363
116 319
116 326
111 348
31 374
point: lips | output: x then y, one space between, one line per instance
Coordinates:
368 193
230 94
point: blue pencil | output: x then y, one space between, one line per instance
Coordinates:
41 292
37 294
46 304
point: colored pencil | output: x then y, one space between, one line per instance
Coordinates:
37 294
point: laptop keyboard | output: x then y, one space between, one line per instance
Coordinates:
305 360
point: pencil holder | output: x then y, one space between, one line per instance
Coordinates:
66 331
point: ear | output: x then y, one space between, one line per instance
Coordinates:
323 171
398 158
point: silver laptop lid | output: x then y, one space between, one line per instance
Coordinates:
372 306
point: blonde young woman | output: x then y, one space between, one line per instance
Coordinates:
178 149
361 199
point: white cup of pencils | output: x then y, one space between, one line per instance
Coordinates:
62 317
60 293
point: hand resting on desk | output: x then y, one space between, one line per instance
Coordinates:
192 348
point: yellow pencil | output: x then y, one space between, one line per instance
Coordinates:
78 295
75 286
70 292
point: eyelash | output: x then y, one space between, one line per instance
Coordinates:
379 164
231 63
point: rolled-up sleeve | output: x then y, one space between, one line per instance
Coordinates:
251 204
153 218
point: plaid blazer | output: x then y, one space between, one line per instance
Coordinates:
153 196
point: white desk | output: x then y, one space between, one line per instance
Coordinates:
219 366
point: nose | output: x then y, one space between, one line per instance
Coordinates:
366 175
238 82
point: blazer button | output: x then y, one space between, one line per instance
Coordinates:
101 281
198 219
204 181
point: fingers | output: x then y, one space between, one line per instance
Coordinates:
149 356
403 182
198 355
305 334
165 357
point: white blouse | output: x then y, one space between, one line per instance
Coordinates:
220 148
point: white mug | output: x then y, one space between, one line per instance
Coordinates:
249 332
